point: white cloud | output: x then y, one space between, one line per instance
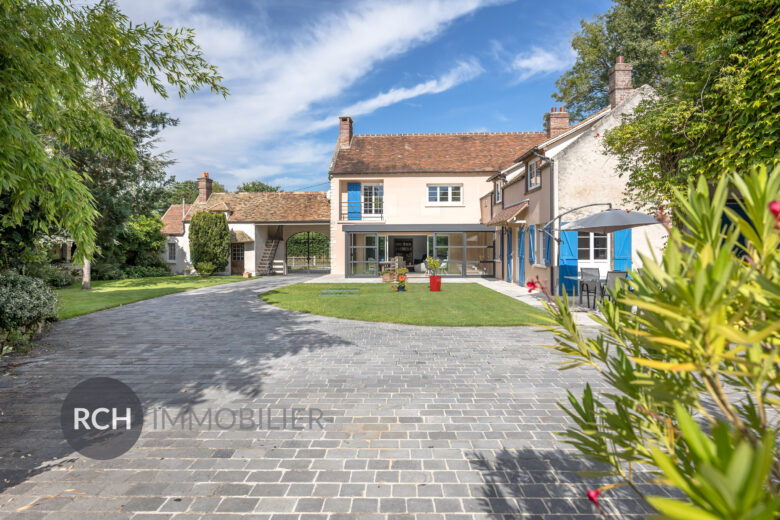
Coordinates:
540 62
277 82
464 71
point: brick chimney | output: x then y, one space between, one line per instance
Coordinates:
557 122
204 187
620 86
345 131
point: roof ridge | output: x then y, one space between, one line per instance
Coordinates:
448 133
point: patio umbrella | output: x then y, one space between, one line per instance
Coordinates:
610 221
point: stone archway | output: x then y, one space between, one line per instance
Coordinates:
308 252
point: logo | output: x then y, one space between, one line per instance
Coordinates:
101 418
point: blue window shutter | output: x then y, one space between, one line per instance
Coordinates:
532 244
568 261
353 201
509 255
521 256
622 252
547 245
501 251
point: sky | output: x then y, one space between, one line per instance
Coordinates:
406 66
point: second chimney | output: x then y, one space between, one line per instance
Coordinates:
345 131
204 187
620 85
557 122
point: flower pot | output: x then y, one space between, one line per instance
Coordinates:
435 283
401 288
388 277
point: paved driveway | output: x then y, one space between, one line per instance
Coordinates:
417 421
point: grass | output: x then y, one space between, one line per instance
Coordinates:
458 304
113 293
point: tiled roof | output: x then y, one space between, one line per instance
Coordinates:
303 206
173 220
433 153
507 214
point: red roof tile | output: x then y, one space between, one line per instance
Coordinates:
173 220
304 206
434 153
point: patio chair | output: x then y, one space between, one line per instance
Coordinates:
589 283
613 278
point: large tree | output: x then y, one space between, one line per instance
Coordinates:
718 107
257 186
187 191
628 29
51 54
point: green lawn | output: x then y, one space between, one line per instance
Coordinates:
458 304
106 294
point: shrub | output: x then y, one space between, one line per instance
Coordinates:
52 275
694 334
204 269
107 271
143 241
209 239
26 304
143 271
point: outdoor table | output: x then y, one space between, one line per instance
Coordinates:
579 279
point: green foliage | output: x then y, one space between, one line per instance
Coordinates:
628 29
257 186
204 268
209 240
142 241
144 271
318 244
26 303
434 264
696 329
107 271
718 107
185 190
52 275
52 53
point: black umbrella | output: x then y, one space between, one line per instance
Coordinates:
610 221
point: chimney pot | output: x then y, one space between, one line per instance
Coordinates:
557 122
619 59
345 131
620 85
204 187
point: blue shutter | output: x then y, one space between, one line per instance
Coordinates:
501 252
547 245
568 261
622 252
532 244
353 201
509 255
521 256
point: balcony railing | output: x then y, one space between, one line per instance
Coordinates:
364 210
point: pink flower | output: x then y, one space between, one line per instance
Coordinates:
774 207
593 496
532 286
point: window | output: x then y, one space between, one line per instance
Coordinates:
237 252
540 245
171 251
447 194
592 246
499 191
373 199
534 175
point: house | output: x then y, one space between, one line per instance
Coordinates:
260 225
562 178
412 196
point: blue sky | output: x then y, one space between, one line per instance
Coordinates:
395 66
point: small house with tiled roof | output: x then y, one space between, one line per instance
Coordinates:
260 224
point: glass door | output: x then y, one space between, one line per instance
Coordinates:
373 201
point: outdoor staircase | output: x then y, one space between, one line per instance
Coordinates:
265 265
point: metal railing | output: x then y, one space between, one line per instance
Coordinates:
364 210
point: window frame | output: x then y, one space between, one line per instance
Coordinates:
449 201
592 247
539 261
533 171
377 202
498 192
171 250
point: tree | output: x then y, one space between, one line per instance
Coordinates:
696 332
51 53
718 108
209 240
628 29
257 186
186 191
142 240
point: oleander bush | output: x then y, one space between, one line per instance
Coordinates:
27 303
689 349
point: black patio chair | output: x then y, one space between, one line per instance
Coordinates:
613 278
589 283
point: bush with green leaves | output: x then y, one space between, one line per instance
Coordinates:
26 304
143 240
52 275
107 271
695 333
204 269
209 240
144 271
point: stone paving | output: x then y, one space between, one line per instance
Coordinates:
418 422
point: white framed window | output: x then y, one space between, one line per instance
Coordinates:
373 201
533 174
445 194
540 243
171 251
498 189
592 247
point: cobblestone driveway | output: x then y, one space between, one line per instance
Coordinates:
425 422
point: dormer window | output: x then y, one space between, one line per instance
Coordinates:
499 191
534 175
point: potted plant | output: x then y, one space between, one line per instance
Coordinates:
388 275
433 265
401 278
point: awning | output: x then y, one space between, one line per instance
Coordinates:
507 214
610 221
239 237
